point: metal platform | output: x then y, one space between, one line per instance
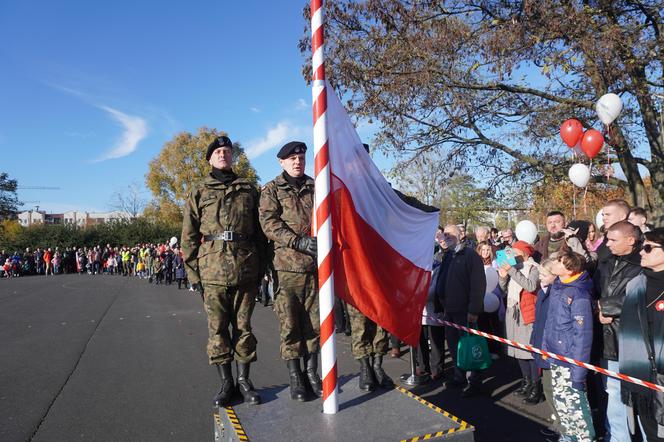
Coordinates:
383 415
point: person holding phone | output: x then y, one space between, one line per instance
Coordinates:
521 282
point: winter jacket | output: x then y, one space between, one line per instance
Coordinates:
464 283
641 352
569 323
537 336
611 279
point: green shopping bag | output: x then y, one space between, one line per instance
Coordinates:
473 353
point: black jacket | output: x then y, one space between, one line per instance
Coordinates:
464 284
611 278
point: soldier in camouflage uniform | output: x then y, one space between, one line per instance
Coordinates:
369 343
224 249
285 213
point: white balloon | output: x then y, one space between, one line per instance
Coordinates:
608 108
173 241
526 231
491 278
599 220
491 303
579 174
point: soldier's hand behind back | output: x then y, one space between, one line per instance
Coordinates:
307 245
198 287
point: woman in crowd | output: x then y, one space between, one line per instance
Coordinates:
641 339
594 239
569 332
47 261
521 282
489 321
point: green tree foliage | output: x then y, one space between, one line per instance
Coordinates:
490 82
181 164
116 233
8 200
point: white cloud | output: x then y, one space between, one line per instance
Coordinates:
255 109
275 137
135 129
301 104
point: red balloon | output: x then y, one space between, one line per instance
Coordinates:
571 132
592 143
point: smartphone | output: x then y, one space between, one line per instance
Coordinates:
505 256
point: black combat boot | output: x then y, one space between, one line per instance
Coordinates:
298 390
536 394
367 380
526 385
312 374
245 386
382 379
227 386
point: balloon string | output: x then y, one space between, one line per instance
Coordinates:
574 200
585 192
608 154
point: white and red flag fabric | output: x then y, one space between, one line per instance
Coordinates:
383 248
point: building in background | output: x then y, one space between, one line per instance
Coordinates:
78 218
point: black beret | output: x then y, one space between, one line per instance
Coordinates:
291 148
216 144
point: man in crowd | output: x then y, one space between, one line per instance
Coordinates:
506 238
613 211
286 205
465 239
639 217
462 299
223 250
622 266
558 239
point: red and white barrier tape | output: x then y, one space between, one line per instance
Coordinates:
547 354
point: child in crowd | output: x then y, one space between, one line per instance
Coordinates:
157 270
569 332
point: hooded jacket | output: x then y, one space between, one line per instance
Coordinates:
569 323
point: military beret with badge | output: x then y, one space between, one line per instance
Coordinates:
291 148
222 141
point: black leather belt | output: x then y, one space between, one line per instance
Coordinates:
228 235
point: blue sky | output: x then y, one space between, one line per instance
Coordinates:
90 91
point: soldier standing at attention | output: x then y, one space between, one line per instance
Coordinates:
224 248
285 213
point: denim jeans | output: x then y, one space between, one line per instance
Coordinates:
616 411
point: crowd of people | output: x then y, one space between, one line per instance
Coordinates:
591 293
158 263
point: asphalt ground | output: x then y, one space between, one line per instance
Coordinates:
98 357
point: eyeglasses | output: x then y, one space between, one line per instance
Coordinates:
648 248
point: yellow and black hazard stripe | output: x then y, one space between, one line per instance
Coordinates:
235 422
463 426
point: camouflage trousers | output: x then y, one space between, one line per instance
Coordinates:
572 407
230 307
296 304
367 338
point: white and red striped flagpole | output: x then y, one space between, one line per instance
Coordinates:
323 214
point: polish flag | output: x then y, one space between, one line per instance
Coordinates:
383 248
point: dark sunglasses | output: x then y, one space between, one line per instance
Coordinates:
648 248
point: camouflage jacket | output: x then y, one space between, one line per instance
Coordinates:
285 214
212 208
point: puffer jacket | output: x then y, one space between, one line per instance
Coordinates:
537 336
569 324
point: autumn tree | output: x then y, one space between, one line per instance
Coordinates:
180 165
435 181
9 202
129 200
490 82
